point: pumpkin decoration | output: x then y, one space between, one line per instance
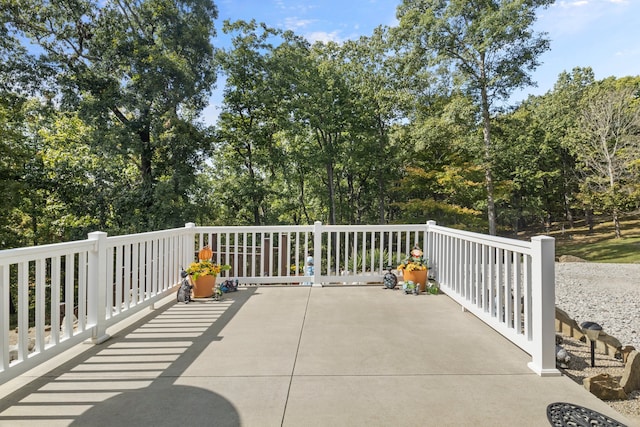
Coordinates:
205 253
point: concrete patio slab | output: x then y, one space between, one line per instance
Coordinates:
426 400
261 340
384 332
294 356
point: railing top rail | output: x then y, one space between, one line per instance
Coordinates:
384 227
305 228
12 256
252 228
129 238
498 242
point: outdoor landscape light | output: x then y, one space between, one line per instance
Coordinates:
592 331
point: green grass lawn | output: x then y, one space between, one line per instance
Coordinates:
601 245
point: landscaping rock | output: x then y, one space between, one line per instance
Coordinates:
625 352
562 357
570 258
607 344
566 325
605 387
631 376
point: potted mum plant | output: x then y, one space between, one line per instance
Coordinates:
414 268
203 273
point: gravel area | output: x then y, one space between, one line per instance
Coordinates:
608 294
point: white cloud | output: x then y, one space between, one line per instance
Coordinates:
323 36
576 16
628 52
296 7
295 23
570 4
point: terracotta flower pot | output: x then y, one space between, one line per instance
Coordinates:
416 276
203 286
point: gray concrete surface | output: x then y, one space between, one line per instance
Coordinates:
294 356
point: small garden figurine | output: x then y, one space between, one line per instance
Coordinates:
308 269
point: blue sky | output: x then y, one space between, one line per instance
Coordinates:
601 34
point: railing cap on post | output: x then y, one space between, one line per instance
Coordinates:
97 235
543 238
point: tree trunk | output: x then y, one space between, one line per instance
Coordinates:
331 190
34 227
566 166
588 213
380 199
567 210
326 145
616 223
548 222
380 177
488 163
614 199
301 199
146 175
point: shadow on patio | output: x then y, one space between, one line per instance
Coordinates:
271 356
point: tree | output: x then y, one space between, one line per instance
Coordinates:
608 144
441 181
487 44
368 65
13 156
138 72
528 166
19 78
557 114
321 105
247 123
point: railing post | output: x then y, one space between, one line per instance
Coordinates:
317 253
429 250
4 317
266 256
283 243
187 244
97 289
543 306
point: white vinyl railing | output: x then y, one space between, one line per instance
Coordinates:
64 294
509 284
342 254
67 293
